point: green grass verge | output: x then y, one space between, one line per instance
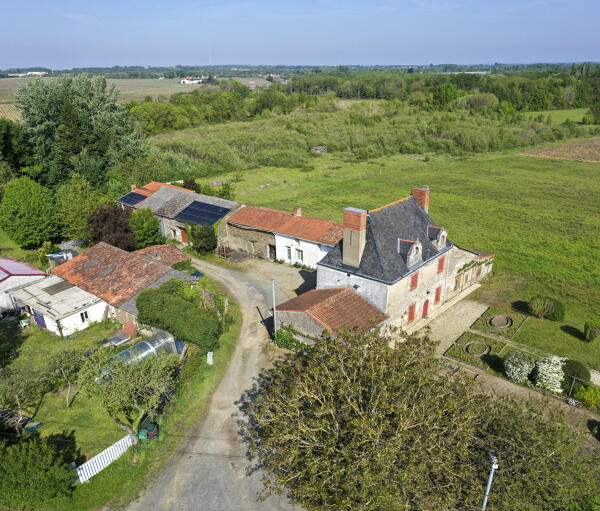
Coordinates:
9 248
560 339
467 349
483 323
560 116
121 482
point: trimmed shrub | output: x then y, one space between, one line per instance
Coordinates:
285 339
540 306
574 369
182 265
546 307
558 311
548 374
589 395
591 330
517 366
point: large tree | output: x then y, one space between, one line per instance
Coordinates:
77 200
111 225
28 213
146 228
128 390
66 116
356 424
63 368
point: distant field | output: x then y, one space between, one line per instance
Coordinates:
581 150
131 89
541 217
9 111
558 116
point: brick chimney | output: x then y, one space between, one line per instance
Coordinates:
297 211
133 188
421 195
355 236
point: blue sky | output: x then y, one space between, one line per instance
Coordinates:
65 34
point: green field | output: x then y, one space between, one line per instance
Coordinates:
540 217
559 116
9 248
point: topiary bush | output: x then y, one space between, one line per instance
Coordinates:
574 369
548 374
591 330
546 307
517 366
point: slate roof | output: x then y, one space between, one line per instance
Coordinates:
405 220
281 222
336 309
168 202
165 254
11 267
113 274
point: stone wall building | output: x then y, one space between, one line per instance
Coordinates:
398 259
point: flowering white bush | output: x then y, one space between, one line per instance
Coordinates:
517 366
548 374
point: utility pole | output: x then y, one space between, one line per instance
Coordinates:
274 308
489 483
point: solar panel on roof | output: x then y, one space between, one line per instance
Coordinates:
201 213
131 199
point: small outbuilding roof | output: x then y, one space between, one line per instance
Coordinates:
55 297
113 274
336 309
11 268
308 228
137 195
165 254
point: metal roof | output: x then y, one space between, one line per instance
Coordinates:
11 267
53 298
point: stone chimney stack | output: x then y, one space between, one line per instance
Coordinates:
297 211
421 195
355 236
133 188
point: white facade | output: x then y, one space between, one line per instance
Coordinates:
58 306
10 283
295 250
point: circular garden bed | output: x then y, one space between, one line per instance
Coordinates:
501 321
477 348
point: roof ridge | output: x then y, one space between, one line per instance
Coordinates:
390 204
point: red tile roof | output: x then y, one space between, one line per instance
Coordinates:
10 267
111 273
306 227
336 309
165 254
154 186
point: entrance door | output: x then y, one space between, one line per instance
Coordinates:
425 308
39 318
184 237
271 251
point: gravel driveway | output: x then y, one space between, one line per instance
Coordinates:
208 472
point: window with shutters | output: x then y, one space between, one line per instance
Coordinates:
441 263
414 281
411 312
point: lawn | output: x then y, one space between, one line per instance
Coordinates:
121 482
9 248
540 217
91 426
559 116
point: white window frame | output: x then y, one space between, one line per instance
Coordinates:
289 253
299 255
84 316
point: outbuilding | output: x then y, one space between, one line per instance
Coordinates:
14 274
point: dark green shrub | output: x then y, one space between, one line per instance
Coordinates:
558 311
546 307
33 474
591 330
202 238
182 265
574 369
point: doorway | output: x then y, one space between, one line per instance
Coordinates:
271 251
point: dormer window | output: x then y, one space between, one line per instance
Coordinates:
437 235
414 255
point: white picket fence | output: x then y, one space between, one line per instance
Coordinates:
103 459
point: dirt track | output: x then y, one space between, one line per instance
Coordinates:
584 150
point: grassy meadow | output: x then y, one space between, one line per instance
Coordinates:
540 217
560 116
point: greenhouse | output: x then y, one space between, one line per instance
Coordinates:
160 341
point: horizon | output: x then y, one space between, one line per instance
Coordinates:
66 35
